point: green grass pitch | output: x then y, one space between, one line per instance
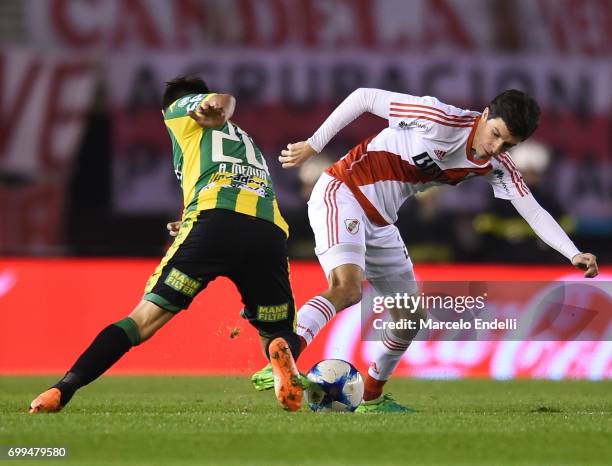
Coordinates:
222 420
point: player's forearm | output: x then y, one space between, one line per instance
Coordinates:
545 226
362 100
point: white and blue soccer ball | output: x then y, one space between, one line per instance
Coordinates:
335 385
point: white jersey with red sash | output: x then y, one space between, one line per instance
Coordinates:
427 143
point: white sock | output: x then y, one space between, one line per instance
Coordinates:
313 316
388 352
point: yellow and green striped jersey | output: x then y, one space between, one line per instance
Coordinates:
219 168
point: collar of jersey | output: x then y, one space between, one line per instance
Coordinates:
468 147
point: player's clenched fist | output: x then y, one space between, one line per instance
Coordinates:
296 154
173 228
587 262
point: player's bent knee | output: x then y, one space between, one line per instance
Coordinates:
403 332
345 295
149 318
345 286
353 295
420 314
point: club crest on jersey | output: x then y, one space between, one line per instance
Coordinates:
352 225
440 153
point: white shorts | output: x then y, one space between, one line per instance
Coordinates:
344 235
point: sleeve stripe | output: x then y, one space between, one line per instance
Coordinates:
454 119
463 124
430 108
513 165
517 181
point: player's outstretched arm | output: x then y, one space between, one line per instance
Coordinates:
375 101
549 231
215 111
362 100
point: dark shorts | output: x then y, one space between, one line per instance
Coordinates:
249 251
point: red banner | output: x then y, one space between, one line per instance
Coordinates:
52 309
543 26
44 99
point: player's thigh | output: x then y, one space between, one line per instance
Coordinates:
388 266
337 220
262 277
345 286
389 271
194 259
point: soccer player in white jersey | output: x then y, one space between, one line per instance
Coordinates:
355 202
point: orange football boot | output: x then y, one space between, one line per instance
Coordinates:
287 383
47 402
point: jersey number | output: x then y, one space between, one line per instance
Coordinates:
219 156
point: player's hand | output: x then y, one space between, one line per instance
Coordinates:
296 154
209 115
173 228
588 262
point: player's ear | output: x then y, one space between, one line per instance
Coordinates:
485 113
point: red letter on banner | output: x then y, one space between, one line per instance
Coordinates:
10 116
442 25
186 13
134 16
58 111
68 30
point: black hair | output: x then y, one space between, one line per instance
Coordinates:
181 86
518 110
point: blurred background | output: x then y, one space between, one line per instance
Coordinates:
87 184
85 161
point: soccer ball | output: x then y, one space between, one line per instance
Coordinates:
335 385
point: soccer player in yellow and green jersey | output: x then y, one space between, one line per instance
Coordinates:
231 227
218 167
